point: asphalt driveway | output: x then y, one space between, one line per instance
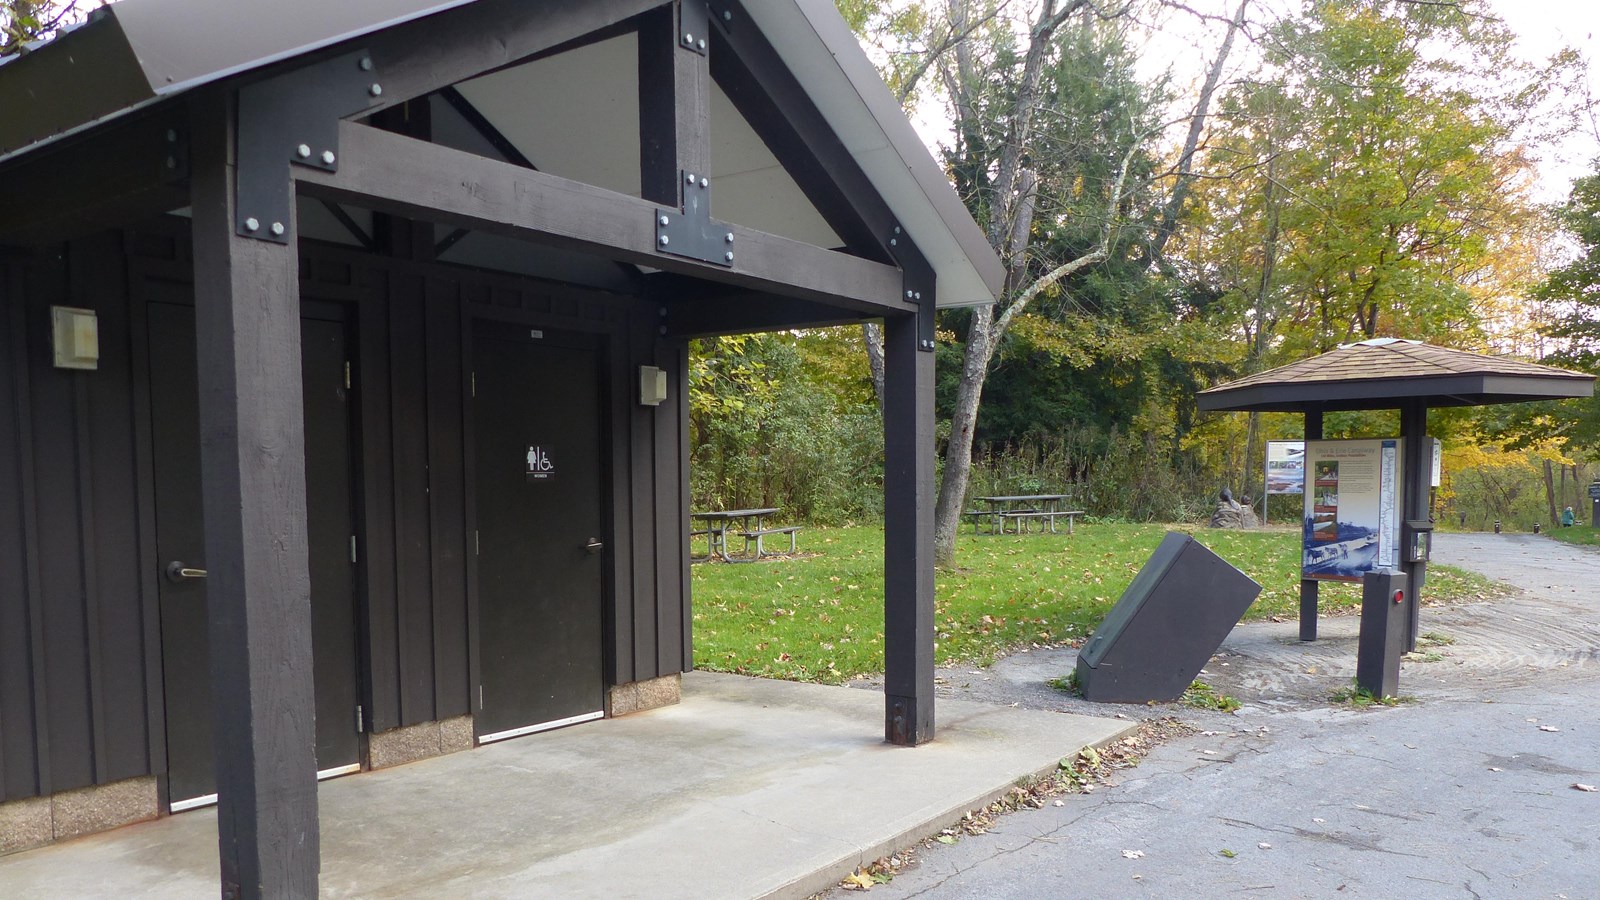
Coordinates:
1468 790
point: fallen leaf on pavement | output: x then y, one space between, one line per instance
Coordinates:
1264 845
1133 854
860 881
1587 788
1228 853
1548 728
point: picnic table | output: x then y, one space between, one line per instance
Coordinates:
746 523
1019 510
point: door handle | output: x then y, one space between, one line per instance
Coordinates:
594 545
177 571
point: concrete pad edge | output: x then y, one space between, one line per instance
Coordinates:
830 875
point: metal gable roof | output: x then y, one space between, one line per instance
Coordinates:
136 53
1383 372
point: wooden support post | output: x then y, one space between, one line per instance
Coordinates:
1418 472
247 322
1308 586
674 102
908 487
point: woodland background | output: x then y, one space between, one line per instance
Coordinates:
1297 175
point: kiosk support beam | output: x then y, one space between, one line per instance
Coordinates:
1308 586
1418 470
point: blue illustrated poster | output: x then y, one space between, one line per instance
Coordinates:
1352 495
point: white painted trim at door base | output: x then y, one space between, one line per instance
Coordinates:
211 799
546 726
194 803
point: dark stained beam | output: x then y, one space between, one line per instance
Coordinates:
908 497
247 322
775 104
111 178
396 174
485 128
350 224
674 102
693 314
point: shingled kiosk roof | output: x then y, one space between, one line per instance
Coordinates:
1387 372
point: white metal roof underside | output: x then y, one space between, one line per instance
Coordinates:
547 109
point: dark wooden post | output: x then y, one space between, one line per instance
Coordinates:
908 489
674 101
1418 472
247 322
1308 586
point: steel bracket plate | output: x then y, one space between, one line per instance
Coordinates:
918 286
692 233
694 23
294 118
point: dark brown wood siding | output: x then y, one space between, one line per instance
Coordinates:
80 670
77 705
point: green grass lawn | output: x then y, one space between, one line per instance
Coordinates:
819 617
1577 534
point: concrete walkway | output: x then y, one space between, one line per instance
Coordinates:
749 788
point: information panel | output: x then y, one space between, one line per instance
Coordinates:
1352 509
1286 467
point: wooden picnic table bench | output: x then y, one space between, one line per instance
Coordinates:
745 523
758 534
1020 509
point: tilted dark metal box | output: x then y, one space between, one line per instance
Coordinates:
1166 626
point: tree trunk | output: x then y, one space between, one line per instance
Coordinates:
958 451
1550 492
1197 122
872 333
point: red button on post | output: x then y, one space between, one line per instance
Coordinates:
1399 597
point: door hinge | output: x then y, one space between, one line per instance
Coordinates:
361 719
480 696
352 548
477 545
474 384
347 375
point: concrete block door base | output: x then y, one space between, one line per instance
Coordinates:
638 696
410 743
36 821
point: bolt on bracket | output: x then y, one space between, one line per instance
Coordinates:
294 118
917 285
694 25
692 233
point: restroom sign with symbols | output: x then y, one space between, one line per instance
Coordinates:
540 465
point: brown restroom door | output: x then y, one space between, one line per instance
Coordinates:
541 557
180 544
